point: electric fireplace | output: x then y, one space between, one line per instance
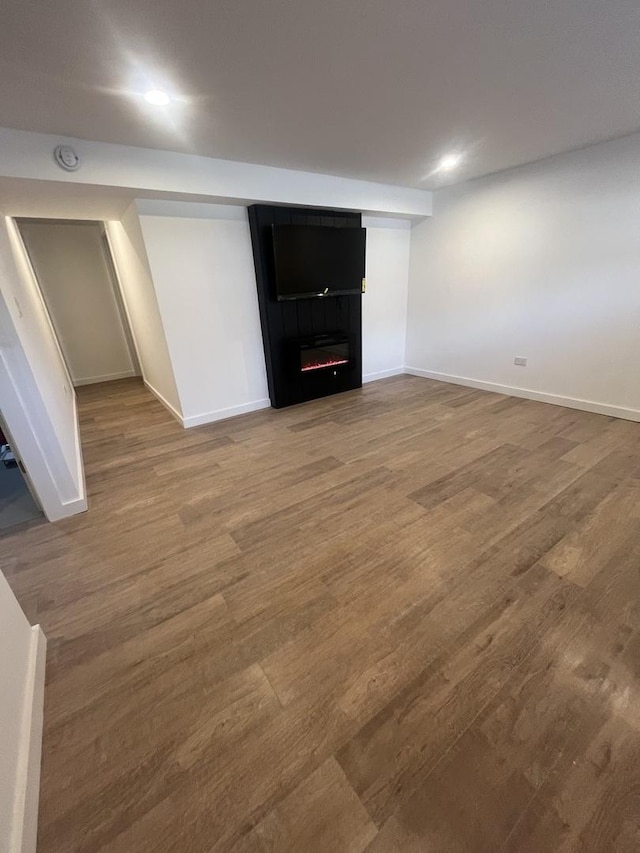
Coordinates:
322 352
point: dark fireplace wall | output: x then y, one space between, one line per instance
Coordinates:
283 323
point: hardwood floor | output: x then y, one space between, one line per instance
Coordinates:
405 618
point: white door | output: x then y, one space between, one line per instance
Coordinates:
75 279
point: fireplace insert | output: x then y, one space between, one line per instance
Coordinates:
321 352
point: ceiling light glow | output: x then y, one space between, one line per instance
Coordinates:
157 97
450 162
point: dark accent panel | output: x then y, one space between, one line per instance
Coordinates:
284 323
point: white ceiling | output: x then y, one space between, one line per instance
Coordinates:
375 89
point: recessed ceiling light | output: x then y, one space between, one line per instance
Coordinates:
448 163
157 97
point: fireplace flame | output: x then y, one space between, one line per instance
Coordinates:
317 365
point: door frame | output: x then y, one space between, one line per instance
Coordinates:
21 466
112 276
27 447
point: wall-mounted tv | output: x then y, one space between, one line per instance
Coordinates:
318 260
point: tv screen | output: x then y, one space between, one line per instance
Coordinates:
318 260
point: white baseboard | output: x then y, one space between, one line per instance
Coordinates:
25 815
107 377
208 417
176 414
223 414
382 374
528 394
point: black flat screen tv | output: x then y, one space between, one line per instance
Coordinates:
318 260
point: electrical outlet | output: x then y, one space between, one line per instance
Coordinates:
520 361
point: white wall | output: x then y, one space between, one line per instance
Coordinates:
140 301
203 274
22 658
38 399
202 268
384 305
541 262
71 268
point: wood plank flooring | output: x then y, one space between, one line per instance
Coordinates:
405 618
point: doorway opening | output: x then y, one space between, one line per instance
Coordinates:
18 503
73 267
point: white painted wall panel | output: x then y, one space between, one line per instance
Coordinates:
384 305
541 262
203 274
130 258
22 653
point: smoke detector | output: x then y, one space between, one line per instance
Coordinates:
66 157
